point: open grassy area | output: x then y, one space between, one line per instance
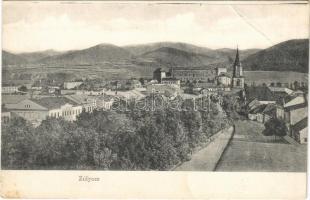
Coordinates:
249 150
260 77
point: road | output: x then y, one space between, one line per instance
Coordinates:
249 150
207 158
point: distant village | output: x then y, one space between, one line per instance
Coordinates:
37 101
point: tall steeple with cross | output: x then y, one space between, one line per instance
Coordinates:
237 79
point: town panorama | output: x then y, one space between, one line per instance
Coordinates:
219 97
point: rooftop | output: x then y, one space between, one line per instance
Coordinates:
191 69
12 99
258 109
169 79
261 93
281 89
301 124
53 102
270 108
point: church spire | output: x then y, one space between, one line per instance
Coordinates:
237 65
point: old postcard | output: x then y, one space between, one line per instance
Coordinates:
154 99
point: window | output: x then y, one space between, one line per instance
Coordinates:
305 139
27 106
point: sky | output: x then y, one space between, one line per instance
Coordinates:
38 26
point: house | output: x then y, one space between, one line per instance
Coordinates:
130 94
300 131
256 114
88 103
224 79
253 104
171 81
269 112
213 89
104 102
9 89
71 85
135 83
298 93
83 92
12 99
5 116
53 89
159 74
167 90
221 70
261 93
280 90
38 88
37 110
295 109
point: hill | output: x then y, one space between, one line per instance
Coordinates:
35 56
144 48
222 57
93 55
290 55
231 53
168 56
12 59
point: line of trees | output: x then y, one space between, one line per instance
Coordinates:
110 140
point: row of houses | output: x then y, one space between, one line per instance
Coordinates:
281 103
35 110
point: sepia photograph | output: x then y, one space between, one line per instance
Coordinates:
146 86
127 99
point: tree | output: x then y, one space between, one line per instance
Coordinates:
278 84
17 150
275 127
23 88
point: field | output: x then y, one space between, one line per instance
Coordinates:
130 69
120 70
249 150
260 77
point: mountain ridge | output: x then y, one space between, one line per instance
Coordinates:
291 55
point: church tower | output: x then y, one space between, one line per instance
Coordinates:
238 78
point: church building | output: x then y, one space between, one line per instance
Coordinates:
238 78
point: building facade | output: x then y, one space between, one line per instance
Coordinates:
9 89
159 74
223 79
193 74
171 81
37 110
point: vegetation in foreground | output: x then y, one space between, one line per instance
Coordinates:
111 140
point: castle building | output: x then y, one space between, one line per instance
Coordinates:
193 74
238 78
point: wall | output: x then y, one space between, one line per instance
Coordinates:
297 115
